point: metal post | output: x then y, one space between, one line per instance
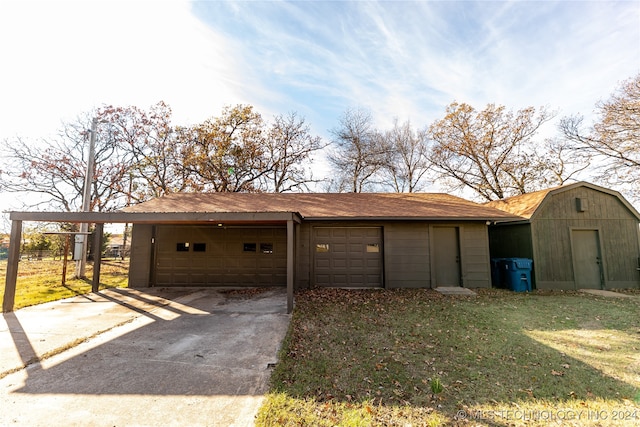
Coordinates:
86 200
290 266
12 266
97 256
66 253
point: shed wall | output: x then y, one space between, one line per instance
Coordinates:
407 252
407 255
617 228
511 241
140 262
475 258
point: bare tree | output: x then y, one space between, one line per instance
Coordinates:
614 138
290 147
55 168
358 153
407 159
490 152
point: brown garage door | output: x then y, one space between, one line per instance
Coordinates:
216 256
347 257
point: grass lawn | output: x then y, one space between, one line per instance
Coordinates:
41 280
360 358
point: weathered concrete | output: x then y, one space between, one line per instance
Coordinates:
456 290
605 293
168 357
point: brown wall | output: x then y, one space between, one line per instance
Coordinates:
406 252
551 233
140 262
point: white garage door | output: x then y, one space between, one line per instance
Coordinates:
347 257
215 256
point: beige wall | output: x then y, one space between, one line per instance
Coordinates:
617 228
406 253
140 263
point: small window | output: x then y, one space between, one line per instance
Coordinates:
266 248
182 247
249 247
199 247
322 247
373 247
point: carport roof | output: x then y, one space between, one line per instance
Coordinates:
433 206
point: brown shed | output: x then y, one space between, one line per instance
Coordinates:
352 240
579 236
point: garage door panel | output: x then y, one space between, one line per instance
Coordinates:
348 257
338 248
339 263
323 263
323 279
356 263
220 258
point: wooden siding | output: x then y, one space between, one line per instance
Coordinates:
551 233
407 255
474 248
140 262
303 257
405 249
511 241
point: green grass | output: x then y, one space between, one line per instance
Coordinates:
41 281
502 358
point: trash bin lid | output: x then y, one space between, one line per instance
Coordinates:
523 263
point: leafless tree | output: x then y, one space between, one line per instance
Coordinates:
290 147
358 152
614 139
407 159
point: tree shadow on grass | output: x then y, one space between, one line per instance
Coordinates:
369 350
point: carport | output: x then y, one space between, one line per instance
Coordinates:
289 219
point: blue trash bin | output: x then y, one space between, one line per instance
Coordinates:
497 279
516 273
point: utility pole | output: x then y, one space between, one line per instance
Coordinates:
82 238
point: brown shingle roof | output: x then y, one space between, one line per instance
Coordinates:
524 205
329 205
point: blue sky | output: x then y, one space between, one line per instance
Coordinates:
399 59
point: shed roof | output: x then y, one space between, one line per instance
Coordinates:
433 206
527 205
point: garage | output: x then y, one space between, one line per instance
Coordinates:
220 256
348 257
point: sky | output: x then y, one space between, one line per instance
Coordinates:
404 60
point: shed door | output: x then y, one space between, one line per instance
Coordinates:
447 256
587 260
347 257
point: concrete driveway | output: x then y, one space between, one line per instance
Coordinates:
124 357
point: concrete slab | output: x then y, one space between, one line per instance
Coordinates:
605 293
125 357
456 290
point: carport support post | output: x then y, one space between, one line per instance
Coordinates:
290 269
97 256
12 266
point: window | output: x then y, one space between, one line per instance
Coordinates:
322 247
199 247
373 247
266 248
182 247
249 247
